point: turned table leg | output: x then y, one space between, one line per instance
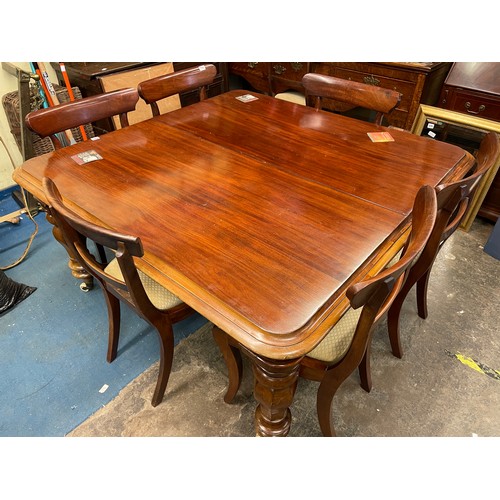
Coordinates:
76 269
275 384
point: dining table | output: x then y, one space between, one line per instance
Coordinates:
257 212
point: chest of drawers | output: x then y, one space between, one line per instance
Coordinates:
474 89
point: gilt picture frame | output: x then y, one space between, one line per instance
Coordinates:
427 120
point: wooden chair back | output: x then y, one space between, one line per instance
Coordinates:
354 94
452 199
158 88
376 294
50 121
78 231
120 280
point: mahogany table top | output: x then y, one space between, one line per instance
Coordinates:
258 214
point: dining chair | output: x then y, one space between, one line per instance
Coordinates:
351 94
121 280
160 87
452 199
47 122
346 346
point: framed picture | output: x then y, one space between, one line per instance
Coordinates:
462 130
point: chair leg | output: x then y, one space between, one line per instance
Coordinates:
102 254
364 370
327 389
113 305
393 316
422 285
232 357
357 355
166 336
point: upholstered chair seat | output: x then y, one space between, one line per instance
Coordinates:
160 297
292 96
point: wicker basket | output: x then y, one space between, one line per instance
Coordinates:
10 103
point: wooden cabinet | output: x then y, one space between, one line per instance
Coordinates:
287 76
85 75
256 74
417 82
474 89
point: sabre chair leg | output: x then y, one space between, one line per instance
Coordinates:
393 317
113 305
166 337
422 286
327 389
232 357
364 370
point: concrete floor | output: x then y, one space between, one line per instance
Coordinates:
430 392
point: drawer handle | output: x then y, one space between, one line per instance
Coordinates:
279 69
296 66
479 110
371 80
252 64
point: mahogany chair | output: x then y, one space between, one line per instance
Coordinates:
453 200
121 280
161 87
51 121
347 345
351 94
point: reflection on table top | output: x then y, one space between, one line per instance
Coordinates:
259 214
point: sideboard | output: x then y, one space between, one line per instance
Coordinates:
417 82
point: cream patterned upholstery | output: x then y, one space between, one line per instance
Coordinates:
158 295
395 259
292 96
338 339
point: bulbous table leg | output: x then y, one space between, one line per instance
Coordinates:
275 384
76 269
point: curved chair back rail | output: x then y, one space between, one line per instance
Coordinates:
163 86
357 94
121 280
50 121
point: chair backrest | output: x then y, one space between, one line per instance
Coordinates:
158 88
355 94
50 121
77 231
378 293
454 198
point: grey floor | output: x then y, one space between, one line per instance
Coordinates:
446 385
